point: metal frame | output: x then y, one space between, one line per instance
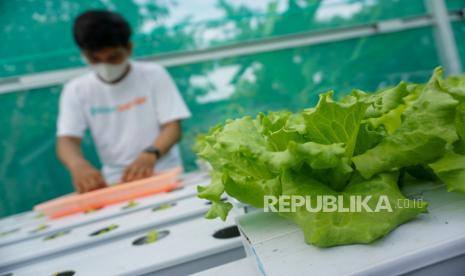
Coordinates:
446 45
445 40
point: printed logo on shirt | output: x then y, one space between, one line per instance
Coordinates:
119 108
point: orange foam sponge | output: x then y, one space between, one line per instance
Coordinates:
77 203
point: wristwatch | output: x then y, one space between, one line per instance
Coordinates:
153 150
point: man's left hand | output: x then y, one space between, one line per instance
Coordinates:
142 167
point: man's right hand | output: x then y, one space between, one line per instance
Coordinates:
86 178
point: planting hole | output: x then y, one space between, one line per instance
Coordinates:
163 206
39 215
39 229
104 230
151 237
57 235
9 232
227 233
92 210
65 273
130 204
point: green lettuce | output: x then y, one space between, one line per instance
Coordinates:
337 228
428 125
451 170
361 145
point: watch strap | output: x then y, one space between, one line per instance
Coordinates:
153 150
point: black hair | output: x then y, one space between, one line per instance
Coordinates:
97 29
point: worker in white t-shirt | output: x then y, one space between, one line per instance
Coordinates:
133 109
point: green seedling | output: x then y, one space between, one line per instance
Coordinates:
131 204
56 235
152 236
105 230
9 232
64 273
39 215
40 228
92 210
163 207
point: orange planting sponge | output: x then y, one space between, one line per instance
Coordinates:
77 203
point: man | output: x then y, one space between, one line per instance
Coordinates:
133 109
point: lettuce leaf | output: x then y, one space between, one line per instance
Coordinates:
428 126
451 170
357 146
335 122
338 228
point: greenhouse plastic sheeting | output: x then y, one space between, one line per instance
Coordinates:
30 28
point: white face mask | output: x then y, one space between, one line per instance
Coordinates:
110 72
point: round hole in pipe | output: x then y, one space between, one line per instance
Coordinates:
8 232
227 233
163 206
151 237
57 235
64 273
39 229
104 231
92 210
131 204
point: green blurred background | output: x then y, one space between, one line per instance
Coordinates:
36 37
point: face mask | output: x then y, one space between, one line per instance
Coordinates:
110 72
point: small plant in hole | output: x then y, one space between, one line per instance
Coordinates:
92 210
104 230
9 232
131 204
39 215
227 233
151 237
163 206
64 273
57 235
39 228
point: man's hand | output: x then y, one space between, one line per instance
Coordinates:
86 178
142 167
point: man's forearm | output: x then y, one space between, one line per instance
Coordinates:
69 151
169 135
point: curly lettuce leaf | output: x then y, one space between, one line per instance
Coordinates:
236 151
335 122
356 146
451 170
428 126
326 229
368 137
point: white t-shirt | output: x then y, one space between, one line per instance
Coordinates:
124 118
